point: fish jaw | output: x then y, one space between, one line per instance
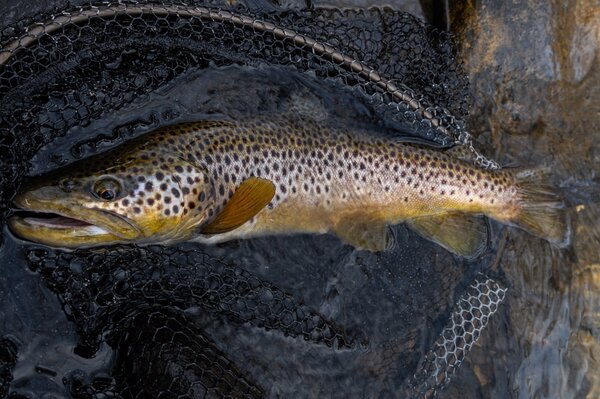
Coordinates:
56 235
69 225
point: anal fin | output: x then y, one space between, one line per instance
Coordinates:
363 232
462 234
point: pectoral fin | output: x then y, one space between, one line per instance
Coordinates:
461 234
249 199
366 233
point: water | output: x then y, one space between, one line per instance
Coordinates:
542 343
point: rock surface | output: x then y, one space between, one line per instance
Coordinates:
535 79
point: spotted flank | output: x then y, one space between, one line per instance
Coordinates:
213 181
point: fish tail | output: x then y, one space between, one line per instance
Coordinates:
542 210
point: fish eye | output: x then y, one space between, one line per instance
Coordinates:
107 189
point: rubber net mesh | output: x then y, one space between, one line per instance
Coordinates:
137 299
69 66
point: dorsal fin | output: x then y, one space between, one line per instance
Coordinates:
249 199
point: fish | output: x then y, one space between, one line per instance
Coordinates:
212 181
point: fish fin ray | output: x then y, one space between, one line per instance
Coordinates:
249 199
363 232
542 211
459 233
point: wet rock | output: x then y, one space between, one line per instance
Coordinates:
586 290
535 84
584 364
529 75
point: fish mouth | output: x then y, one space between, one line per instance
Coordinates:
69 227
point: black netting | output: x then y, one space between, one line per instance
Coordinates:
104 291
139 301
142 301
472 312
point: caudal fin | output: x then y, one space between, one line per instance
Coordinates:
542 209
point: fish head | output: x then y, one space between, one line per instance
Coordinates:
135 199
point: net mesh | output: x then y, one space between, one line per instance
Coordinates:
142 302
471 314
70 66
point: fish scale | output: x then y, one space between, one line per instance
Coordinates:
213 181
332 170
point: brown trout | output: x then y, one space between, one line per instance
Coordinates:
213 181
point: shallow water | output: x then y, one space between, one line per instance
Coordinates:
542 343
